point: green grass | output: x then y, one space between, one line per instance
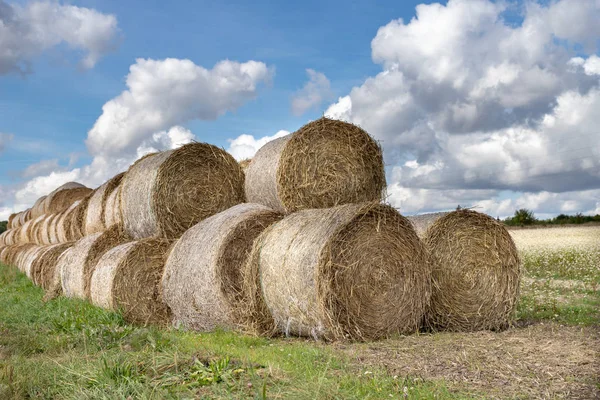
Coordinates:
563 286
69 349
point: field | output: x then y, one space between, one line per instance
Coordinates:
69 349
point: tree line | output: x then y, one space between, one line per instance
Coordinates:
524 217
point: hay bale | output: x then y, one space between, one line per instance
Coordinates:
61 198
11 219
18 252
36 229
324 164
44 234
202 282
78 219
29 259
38 207
169 192
25 233
112 209
356 271
96 207
63 227
13 237
422 222
24 217
127 278
2 238
475 273
72 276
44 268
3 251
53 229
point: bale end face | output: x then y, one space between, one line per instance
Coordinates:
476 272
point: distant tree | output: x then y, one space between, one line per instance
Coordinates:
3 225
523 217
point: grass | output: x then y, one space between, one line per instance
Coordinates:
69 349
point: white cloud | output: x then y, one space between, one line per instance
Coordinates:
467 106
164 93
246 146
41 168
166 140
29 30
314 92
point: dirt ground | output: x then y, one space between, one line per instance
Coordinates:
544 360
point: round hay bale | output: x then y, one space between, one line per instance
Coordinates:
13 237
3 251
53 229
36 229
422 222
72 277
44 266
2 238
38 207
24 217
63 199
475 273
169 192
78 217
356 271
202 282
127 278
11 219
44 234
111 238
63 227
96 207
29 259
25 233
19 252
112 209
324 164
49 200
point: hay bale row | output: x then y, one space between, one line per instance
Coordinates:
355 271
324 164
127 278
164 194
97 205
202 282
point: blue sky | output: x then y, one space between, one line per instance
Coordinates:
462 95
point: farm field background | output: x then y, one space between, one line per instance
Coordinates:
69 349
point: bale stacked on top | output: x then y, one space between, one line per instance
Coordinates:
44 235
77 268
202 282
422 222
63 226
475 273
324 164
356 271
29 259
167 193
38 207
62 197
78 219
127 278
11 220
36 229
94 221
112 210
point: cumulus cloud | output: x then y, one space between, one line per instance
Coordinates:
245 146
312 95
164 93
27 31
468 105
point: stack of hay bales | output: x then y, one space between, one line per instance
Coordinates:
164 194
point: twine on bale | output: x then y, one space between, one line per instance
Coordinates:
202 282
96 207
127 278
167 193
355 271
324 164
475 272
